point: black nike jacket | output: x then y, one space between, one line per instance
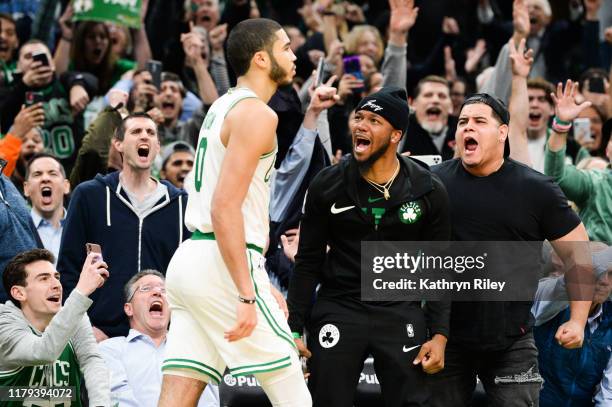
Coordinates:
326 221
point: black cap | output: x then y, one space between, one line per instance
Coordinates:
389 102
498 106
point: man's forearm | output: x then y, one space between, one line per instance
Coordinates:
519 116
206 86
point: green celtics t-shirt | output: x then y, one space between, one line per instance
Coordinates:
64 372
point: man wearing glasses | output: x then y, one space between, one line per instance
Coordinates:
135 361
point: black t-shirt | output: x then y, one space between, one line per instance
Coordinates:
516 203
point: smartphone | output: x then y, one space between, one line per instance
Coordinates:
31 98
582 130
352 66
596 84
41 57
319 73
428 159
94 248
155 68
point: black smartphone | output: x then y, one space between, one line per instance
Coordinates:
31 98
352 66
41 57
155 69
596 84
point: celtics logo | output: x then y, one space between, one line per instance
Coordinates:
410 212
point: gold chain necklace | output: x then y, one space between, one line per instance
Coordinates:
384 189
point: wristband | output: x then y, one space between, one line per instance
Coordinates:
296 335
246 300
560 126
561 122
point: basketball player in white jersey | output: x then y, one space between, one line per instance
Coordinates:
223 313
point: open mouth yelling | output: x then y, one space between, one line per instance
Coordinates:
470 144
167 107
433 113
143 152
361 144
55 298
156 309
46 193
534 118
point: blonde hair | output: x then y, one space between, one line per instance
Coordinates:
351 42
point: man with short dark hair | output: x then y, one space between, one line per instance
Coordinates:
43 343
431 128
177 161
361 199
494 198
135 360
135 218
46 186
224 313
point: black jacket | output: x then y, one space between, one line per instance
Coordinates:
339 271
419 142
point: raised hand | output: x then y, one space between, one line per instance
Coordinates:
474 55
449 64
403 15
520 19
566 108
521 60
27 118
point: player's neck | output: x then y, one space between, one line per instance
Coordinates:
263 86
383 169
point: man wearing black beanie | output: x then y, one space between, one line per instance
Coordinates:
375 195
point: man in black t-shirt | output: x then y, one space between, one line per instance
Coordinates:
368 198
494 198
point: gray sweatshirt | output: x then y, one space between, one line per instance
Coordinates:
23 345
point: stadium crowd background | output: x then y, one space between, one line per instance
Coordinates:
65 85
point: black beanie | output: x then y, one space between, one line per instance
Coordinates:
389 102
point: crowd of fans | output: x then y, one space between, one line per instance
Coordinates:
73 169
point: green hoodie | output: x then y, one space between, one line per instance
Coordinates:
591 190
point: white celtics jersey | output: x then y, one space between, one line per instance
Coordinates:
202 180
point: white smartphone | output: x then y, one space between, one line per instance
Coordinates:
582 130
428 159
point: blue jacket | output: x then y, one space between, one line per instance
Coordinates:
572 375
16 227
101 212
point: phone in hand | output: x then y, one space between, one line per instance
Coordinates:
41 57
94 248
319 73
31 98
596 84
428 159
155 68
352 66
582 130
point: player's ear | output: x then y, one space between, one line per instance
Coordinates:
260 58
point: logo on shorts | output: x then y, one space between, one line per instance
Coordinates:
410 330
229 380
329 336
410 212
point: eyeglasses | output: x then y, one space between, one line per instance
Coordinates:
147 288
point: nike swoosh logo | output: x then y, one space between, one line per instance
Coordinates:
336 211
405 349
370 200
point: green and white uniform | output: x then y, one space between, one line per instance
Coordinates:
201 292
